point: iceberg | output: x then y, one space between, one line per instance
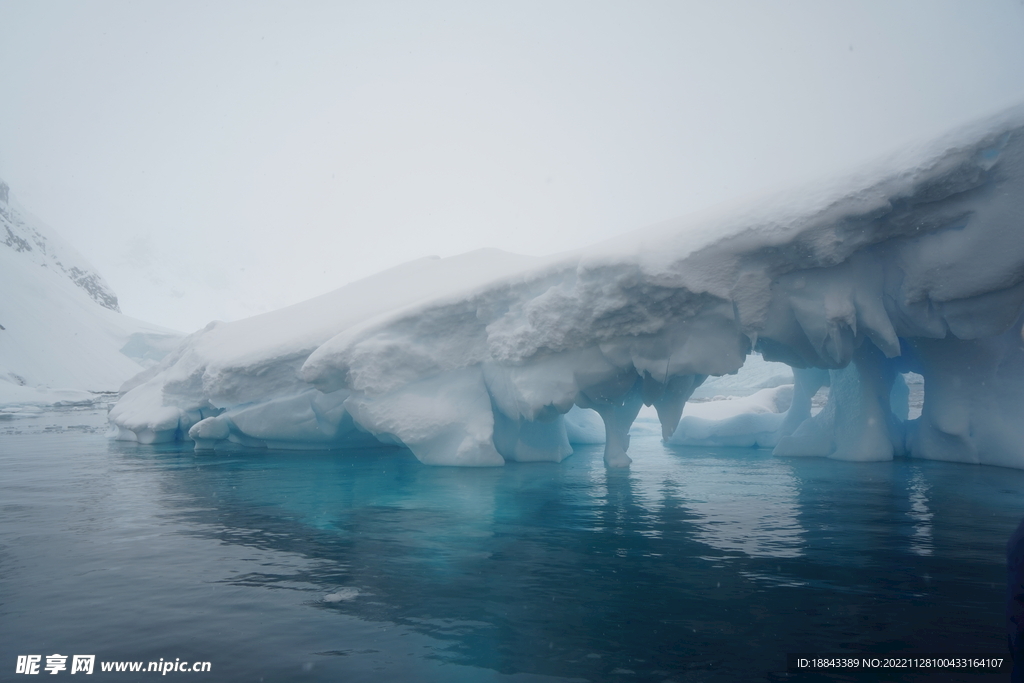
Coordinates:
915 265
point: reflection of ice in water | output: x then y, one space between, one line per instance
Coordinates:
597 491
749 506
921 540
654 475
644 485
746 505
655 470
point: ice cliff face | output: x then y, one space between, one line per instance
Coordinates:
62 338
918 267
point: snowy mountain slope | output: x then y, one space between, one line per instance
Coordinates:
61 335
26 235
918 265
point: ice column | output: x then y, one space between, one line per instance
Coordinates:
618 410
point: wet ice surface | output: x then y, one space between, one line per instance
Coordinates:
696 564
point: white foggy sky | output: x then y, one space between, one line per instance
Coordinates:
218 159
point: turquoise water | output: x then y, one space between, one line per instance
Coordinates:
697 564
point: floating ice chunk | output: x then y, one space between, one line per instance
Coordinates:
342 595
916 267
755 374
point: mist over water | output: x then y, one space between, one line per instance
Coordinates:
696 564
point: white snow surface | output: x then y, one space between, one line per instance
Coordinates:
915 265
62 340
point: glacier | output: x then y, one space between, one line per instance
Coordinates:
63 339
914 265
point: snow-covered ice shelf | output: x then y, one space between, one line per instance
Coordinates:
916 266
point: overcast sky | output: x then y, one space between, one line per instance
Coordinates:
218 159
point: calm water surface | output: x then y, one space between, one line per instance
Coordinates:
695 565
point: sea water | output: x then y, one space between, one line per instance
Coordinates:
696 564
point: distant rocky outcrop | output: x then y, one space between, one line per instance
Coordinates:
63 340
22 232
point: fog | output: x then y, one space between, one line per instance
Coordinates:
217 160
